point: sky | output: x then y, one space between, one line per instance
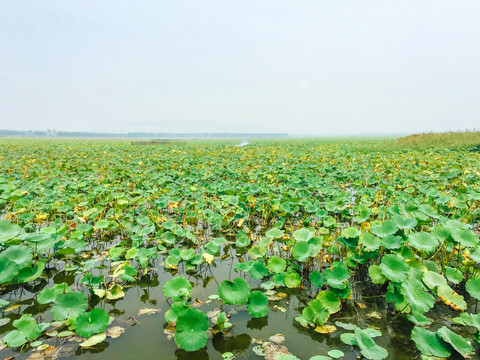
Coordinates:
300 67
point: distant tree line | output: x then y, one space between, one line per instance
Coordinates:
136 135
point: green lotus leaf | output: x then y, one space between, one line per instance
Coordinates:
243 241
192 328
30 273
317 279
370 242
337 276
8 230
350 232
276 264
130 273
292 280
454 275
465 237
274 233
102 224
423 241
315 313
234 292
177 288
394 268
93 322
330 301
404 223
27 329
48 295
300 251
68 305
257 304
8 270
14 338
432 279
473 288
368 347
302 234
187 254
336 354
457 341
419 319
258 270
418 299
392 242
175 311
116 252
451 298
429 343
22 255
376 274
386 228
320 357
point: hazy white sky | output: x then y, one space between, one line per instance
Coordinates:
303 67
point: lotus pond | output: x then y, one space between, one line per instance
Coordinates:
275 250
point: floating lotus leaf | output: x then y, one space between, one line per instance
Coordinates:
94 340
27 329
257 304
115 292
423 241
191 332
69 304
368 347
429 343
394 268
457 341
177 288
234 292
48 295
93 322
